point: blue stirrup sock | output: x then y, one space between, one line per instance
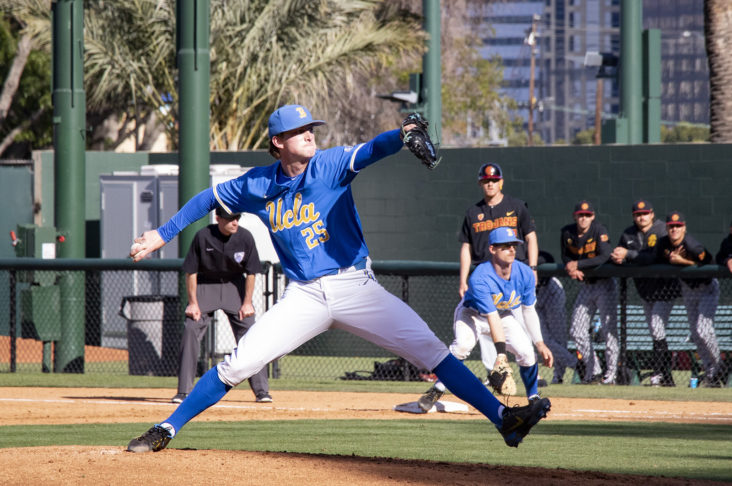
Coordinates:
530 377
207 392
466 386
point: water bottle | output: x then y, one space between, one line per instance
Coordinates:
693 382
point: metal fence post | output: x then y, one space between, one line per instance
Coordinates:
12 332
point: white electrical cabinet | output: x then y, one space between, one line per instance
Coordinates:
134 202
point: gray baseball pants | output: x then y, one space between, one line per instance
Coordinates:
601 297
212 297
550 305
701 305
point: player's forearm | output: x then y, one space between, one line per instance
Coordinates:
465 261
533 326
496 327
383 145
532 244
196 208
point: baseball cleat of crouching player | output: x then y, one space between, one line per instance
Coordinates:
517 421
155 439
430 397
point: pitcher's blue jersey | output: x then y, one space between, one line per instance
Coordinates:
487 292
312 218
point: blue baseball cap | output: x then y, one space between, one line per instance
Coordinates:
290 117
503 235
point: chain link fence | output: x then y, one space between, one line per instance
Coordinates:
132 319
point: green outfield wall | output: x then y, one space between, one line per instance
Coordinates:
411 213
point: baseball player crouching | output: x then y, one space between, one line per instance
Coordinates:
499 304
305 200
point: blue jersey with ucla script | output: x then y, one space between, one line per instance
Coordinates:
487 292
312 218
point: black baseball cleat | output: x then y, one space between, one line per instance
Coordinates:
153 440
428 400
517 421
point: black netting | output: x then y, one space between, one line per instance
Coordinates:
665 331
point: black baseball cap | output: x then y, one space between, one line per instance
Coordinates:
490 172
642 206
584 207
675 218
222 212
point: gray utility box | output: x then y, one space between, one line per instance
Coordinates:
152 333
135 202
132 203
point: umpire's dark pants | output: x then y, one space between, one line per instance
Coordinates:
212 297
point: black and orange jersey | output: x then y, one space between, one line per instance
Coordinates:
692 250
481 219
642 250
590 250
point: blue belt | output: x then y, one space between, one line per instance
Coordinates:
360 265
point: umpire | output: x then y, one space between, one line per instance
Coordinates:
215 265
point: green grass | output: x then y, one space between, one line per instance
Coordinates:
123 380
694 451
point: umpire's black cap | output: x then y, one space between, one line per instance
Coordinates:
490 172
222 213
675 218
642 206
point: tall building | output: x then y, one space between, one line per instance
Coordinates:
570 29
684 68
565 89
506 28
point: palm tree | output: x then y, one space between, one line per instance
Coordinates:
718 34
264 53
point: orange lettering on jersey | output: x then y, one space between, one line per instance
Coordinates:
652 240
298 215
491 224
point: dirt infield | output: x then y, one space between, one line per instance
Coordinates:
111 465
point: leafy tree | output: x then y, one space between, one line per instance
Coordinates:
264 53
684 133
584 137
25 100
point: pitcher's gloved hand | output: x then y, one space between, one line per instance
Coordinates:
417 140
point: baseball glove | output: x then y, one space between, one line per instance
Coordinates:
418 141
501 377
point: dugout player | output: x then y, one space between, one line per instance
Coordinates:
701 296
638 245
501 295
219 256
724 255
305 200
585 244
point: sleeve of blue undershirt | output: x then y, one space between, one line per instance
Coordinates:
383 145
199 206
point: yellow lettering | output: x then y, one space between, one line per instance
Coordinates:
299 214
270 207
513 301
